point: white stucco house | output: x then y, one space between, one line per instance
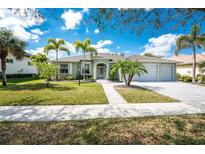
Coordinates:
99 66
15 68
184 66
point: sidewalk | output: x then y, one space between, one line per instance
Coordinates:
80 112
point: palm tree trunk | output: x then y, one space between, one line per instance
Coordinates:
57 65
84 67
3 68
194 64
125 79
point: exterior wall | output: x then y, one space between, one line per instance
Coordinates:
75 70
186 70
19 66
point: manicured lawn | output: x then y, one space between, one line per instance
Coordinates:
136 94
31 91
187 129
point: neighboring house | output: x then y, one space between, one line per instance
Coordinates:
184 67
99 66
15 68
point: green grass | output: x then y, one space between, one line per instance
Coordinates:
31 91
134 94
186 129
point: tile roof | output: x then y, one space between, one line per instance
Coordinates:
188 59
115 58
142 58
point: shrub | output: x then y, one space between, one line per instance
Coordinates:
47 71
186 78
69 77
201 78
178 77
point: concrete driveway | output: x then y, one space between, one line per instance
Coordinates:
178 90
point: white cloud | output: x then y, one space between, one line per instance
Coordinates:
72 19
118 47
18 22
100 46
161 45
37 31
96 31
35 51
52 53
70 47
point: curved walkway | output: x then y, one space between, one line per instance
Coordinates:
113 110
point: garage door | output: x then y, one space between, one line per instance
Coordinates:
166 72
150 76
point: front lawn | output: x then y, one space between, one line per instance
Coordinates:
187 129
31 91
134 94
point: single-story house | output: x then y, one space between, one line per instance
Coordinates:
99 66
19 68
184 66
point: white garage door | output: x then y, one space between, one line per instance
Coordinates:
150 76
166 72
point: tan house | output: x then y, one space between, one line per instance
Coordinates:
184 67
99 66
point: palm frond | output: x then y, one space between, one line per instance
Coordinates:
183 42
49 47
92 51
65 49
61 42
200 41
78 45
52 41
87 42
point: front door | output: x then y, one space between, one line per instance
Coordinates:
100 72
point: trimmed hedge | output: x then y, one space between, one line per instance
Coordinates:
18 75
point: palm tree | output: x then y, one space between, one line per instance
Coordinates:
86 48
56 45
128 69
9 44
192 40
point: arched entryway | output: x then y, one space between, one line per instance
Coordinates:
101 71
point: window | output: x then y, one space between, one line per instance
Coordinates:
9 61
29 63
87 69
64 68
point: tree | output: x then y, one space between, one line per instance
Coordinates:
9 44
139 20
38 59
128 69
56 45
149 54
86 48
193 41
47 71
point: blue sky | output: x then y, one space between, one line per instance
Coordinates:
71 25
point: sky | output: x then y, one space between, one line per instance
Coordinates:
70 25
